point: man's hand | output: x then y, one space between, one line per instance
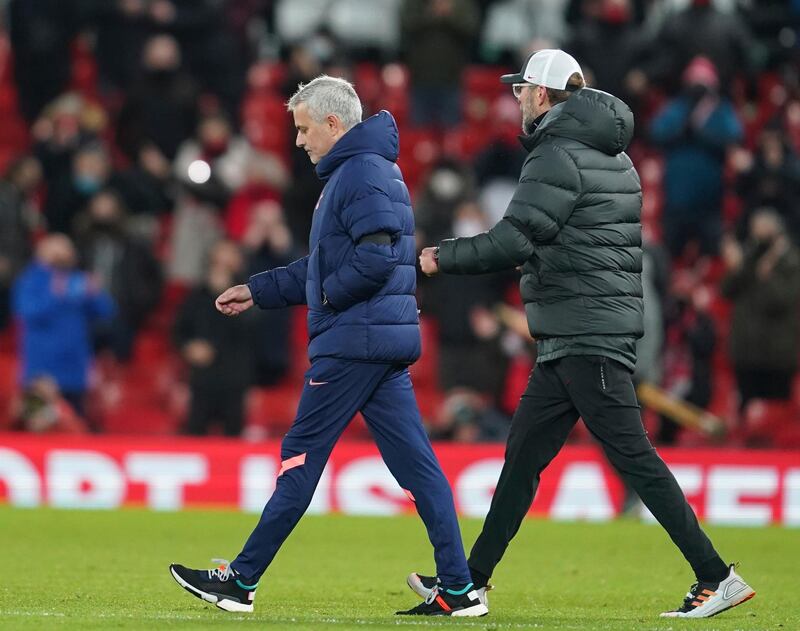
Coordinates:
732 254
234 300
427 262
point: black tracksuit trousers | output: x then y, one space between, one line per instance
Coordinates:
599 390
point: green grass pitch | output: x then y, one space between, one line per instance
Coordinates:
108 570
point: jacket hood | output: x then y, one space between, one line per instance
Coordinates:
597 119
378 134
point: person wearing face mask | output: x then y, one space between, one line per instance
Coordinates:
574 227
763 283
695 130
91 170
56 306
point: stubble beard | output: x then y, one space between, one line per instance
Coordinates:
528 118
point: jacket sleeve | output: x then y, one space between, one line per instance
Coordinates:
544 200
369 211
33 302
280 287
100 305
669 125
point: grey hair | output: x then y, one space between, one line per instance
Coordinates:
328 95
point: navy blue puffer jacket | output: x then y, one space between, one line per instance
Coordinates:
361 298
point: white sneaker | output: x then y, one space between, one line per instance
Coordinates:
424 585
708 599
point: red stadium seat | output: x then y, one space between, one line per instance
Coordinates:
765 422
368 83
266 76
466 141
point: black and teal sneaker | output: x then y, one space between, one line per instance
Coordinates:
462 603
423 586
222 586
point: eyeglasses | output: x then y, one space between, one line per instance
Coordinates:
517 88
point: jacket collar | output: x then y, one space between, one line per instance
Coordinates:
378 134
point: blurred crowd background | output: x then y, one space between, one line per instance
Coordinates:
147 164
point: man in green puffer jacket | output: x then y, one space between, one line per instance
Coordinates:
573 226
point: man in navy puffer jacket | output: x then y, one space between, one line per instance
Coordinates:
359 284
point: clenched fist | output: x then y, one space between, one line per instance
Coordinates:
427 261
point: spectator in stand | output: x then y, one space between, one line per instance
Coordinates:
66 125
766 19
125 267
267 245
695 129
439 36
609 43
699 30
121 28
265 178
511 25
498 165
306 60
763 283
218 350
467 417
147 185
470 349
91 171
449 184
161 106
212 54
226 153
18 219
43 410
56 306
691 338
771 178
655 284
211 167
40 34
207 40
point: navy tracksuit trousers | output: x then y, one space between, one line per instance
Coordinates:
334 391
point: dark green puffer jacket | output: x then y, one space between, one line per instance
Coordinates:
573 225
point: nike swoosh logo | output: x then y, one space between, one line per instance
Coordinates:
311 382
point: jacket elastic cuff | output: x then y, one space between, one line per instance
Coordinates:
446 259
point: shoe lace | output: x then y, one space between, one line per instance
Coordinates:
433 594
223 571
690 595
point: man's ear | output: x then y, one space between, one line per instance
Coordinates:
334 124
541 96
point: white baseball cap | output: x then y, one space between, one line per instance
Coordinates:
550 67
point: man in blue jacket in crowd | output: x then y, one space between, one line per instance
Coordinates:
56 306
359 284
